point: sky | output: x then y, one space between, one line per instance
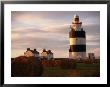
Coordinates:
50 30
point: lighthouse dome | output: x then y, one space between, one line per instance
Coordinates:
76 16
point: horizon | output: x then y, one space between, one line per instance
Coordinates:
42 29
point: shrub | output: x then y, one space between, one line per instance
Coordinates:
68 64
88 61
57 63
51 63
26 67
97 61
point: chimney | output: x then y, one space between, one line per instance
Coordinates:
34 49
28 49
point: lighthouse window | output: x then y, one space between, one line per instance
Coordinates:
81 29
76 19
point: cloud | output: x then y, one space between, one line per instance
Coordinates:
62 29
33 19
17 52
92 29
93 40
40 41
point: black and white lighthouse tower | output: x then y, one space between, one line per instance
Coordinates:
77 39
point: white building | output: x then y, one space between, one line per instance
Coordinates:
46 54
30 53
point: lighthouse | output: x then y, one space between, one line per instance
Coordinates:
77 39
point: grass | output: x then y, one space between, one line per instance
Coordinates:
82 70
87 66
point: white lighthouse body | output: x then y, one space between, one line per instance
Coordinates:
77 39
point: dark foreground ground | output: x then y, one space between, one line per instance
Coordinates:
82 70
32 67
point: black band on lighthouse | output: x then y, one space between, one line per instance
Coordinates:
77 48
75 34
